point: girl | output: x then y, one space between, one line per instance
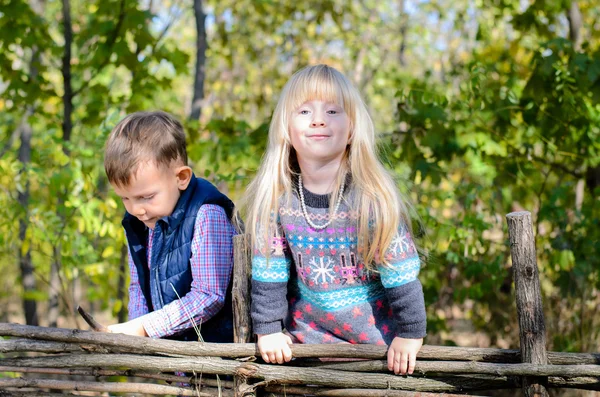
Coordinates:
332 234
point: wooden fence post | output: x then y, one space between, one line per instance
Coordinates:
242 326
532 329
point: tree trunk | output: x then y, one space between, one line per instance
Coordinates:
67 124
575 22
199 75
54 288
403 31
67 128
25 263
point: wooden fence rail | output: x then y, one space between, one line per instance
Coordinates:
84 354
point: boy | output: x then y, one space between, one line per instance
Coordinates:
178 232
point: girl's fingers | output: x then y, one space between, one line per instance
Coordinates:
411 363
400 363
390 360
287 353
279 356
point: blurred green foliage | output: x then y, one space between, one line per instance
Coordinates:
484 108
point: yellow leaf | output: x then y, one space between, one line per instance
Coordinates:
111 203
103 229
108 251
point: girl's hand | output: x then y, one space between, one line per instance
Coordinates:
275 348
133 327
402 355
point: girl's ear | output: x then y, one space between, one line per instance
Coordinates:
184 176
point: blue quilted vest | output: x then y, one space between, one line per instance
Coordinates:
170 264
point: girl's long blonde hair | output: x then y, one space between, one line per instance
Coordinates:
378 199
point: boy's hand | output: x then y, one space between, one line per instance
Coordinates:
402 355
275 348
133 327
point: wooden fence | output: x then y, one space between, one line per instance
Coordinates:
75 360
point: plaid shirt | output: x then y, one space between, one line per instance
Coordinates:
211 262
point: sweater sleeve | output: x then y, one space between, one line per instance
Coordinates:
271 262
402 286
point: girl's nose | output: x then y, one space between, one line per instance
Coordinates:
317 123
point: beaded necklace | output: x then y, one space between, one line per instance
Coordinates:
305 212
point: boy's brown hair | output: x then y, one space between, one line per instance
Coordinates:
140 137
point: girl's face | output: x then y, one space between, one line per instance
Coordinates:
319 131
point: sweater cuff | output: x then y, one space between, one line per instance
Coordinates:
268 328
412 331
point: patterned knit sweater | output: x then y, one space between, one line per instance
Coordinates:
315 284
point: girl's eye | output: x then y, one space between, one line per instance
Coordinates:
332 111
148 197
304 111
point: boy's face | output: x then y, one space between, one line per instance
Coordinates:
153 191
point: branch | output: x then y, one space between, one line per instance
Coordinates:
96 326
27 345
457 367
586 383
240 350
273 374
111 387
305 390
95 372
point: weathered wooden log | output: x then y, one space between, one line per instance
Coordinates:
242 326
457 367
238 350
113 387
30 345
530 312
242 329
584 382
12 393
272 374
326 392
97 372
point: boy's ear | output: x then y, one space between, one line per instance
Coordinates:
184 176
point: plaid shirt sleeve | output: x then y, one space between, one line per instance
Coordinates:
137 301
211 262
